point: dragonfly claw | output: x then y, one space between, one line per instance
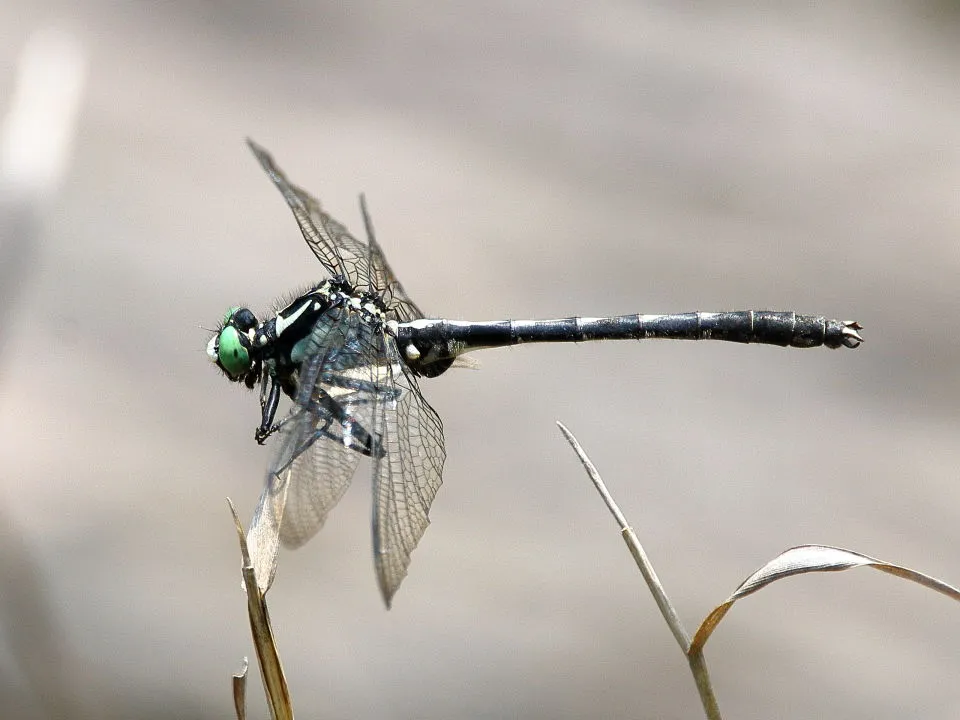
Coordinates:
852 338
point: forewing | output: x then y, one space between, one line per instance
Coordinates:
338 399
407 476
321 440
322 472
263 537
339 252
309 474
363 265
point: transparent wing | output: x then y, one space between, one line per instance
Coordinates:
363 265
407 476
322 469
321 440
399 305
339 252
310 473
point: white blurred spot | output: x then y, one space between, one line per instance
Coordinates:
36 136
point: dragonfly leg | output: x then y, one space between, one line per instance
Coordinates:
325 411
355 436
305 445
268 409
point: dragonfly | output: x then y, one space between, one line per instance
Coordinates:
349 353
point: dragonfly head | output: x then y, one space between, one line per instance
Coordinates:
230 348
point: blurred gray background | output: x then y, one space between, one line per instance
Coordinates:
525 160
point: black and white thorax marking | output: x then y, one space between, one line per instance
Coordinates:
279 337
279 347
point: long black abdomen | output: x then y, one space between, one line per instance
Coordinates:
446 338
786 329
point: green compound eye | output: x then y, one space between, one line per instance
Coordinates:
231 353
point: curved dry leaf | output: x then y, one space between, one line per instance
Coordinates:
805 559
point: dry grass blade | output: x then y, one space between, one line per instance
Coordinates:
696 660
806 559
240 692
271 670
633 544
